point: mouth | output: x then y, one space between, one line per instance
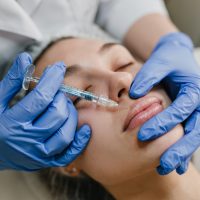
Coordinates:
141 111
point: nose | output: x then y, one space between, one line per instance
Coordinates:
119 85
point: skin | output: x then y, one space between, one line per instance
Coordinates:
114 156
145 33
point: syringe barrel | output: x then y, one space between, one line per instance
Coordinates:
79 93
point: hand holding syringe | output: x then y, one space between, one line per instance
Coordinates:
101 100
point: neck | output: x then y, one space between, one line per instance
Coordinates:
152 186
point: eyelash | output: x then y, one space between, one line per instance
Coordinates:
78 99
124 66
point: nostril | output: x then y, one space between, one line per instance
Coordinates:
121 92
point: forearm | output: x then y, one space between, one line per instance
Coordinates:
144 34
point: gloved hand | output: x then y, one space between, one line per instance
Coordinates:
40 130
173 63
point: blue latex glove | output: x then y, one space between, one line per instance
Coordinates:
173 63
40 130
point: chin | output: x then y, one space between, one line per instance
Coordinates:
149 153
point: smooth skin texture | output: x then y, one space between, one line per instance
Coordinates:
114 156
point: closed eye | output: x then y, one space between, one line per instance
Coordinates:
77 100
122 67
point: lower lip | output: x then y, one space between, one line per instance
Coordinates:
145 115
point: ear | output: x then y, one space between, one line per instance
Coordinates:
70 170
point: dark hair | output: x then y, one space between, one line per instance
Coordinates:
63 187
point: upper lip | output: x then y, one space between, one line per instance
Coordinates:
138 106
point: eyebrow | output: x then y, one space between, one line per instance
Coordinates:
107 46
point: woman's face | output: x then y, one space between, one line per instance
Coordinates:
114 153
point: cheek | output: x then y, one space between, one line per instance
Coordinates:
110 154
101 156
103 129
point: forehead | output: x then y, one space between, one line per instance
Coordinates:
71 51
79 52
87 53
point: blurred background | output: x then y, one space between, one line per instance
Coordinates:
186 15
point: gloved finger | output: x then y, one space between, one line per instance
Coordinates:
77 146
180 151
12 82
53 118
183 167
32 105
191 124
180 169
64 135
163 171
177 112
149 75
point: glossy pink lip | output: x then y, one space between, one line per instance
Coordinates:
142 110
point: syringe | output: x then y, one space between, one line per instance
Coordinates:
100 100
